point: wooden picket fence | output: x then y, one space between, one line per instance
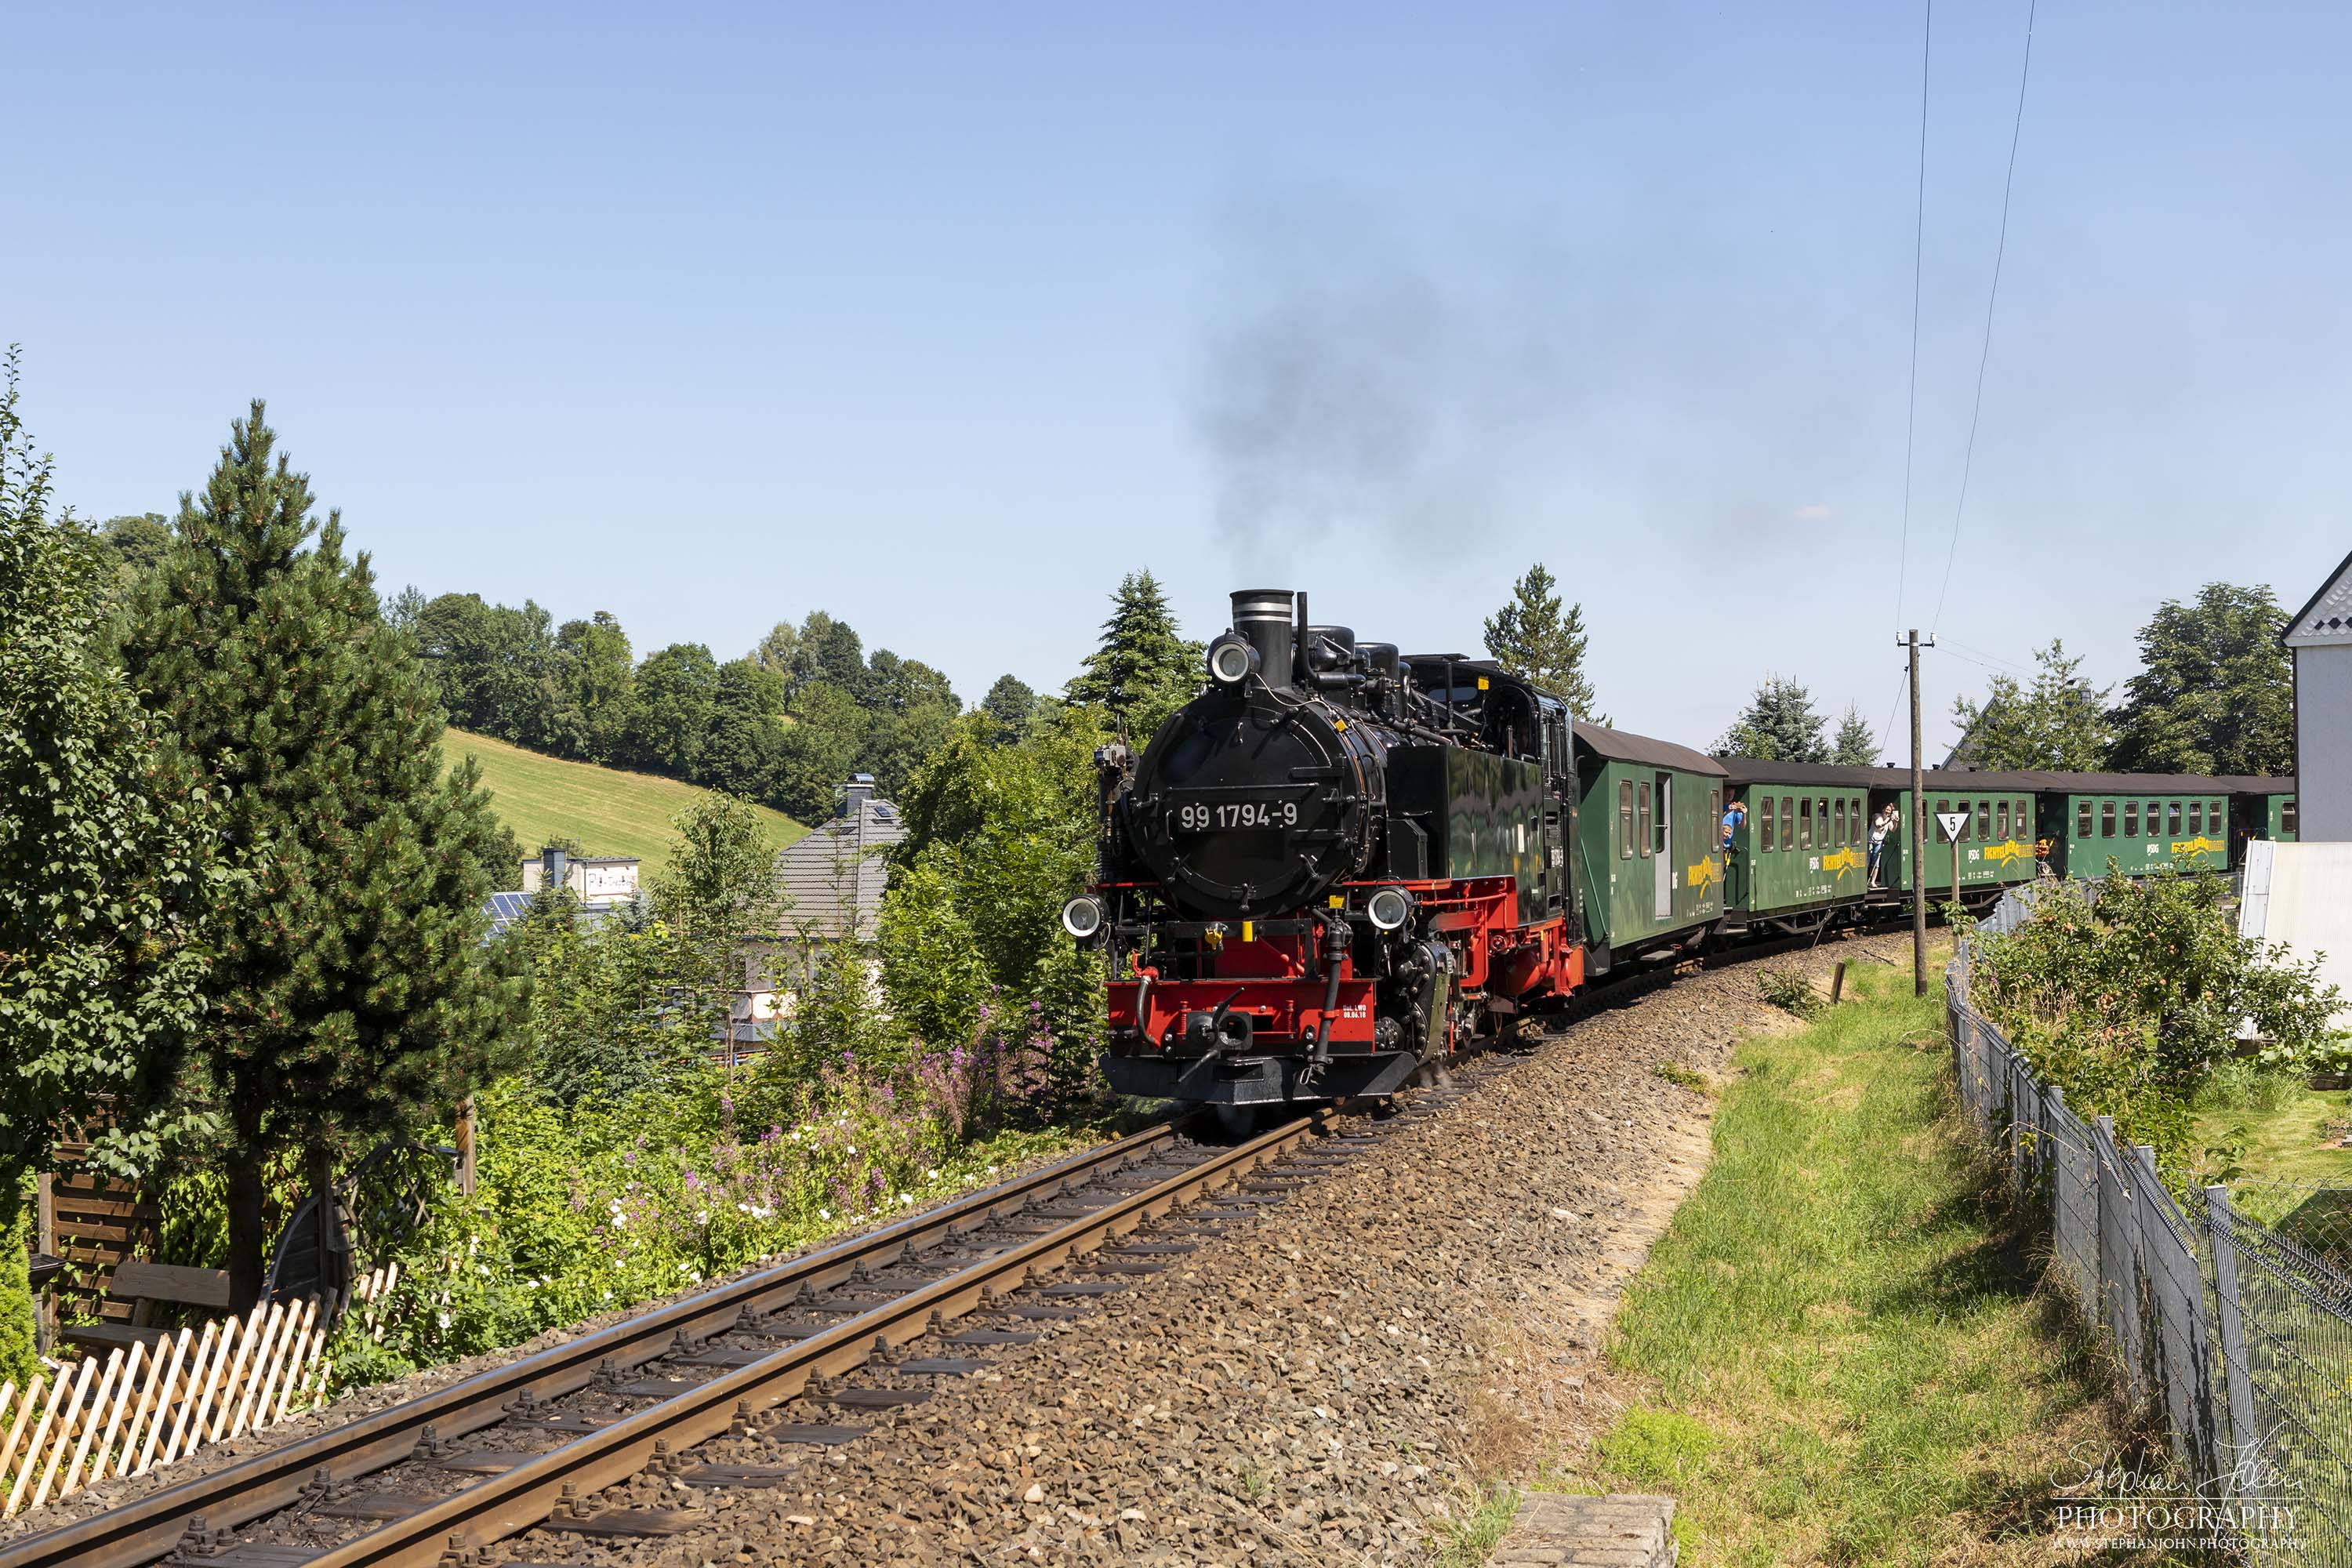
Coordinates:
150 1404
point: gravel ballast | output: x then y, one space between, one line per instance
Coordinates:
1327 1381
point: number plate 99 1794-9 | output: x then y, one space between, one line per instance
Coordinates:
1210 817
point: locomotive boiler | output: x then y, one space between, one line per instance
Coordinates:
1331 871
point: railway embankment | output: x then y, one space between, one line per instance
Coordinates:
1332 1381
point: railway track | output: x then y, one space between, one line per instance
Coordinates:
531 1443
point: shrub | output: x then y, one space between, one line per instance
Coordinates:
1789 991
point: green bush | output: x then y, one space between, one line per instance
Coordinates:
2132 1001
1789 991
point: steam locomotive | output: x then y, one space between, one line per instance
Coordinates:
1339 866
1326 866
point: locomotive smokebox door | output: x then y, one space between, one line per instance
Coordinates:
1211 1032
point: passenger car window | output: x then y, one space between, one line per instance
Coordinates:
2172 817
2000 821
1625 819
2286 815
2131 819
1984 819
2196 816
2106 819
1764 835
1804 825
1788 822
1642 817
2214 819
1837 839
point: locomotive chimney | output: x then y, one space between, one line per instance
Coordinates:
1262 615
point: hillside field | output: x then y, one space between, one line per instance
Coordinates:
605 810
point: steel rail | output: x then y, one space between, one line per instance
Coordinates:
148 1529
519 1498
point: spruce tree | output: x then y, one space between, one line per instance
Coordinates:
103 871
1779 725
352 993
1856 746
1534 636
1142 669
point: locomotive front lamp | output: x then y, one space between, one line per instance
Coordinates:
1082 917
1388 908
1230 660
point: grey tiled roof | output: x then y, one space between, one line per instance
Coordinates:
836 872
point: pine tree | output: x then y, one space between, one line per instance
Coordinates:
103 873
1144 668
1779 725
351 993
2059 723
1856 746
1533 637
2217 692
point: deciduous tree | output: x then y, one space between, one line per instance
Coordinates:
2216 691
105 869
2059 723
670 722
352 994
594 681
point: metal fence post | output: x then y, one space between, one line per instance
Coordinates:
2220 1232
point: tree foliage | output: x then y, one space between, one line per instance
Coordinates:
351 993
1856 746
2060 722
591 676
2216 691
1535 637
1779 725
104 864
1142 669
1000 836
2128 999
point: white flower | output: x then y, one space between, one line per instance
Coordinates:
445 1318
743 1208
608 1295
825 1213
702 1216
904 1199
483 1269
853 1148
932 1175
991 1170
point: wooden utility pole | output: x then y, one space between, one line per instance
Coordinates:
1918 833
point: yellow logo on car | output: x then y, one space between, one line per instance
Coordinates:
2012 850
2201 845
1846 859
1707 872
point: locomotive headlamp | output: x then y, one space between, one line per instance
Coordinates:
1230 660
1388 908
1082 917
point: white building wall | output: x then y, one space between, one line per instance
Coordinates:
2323 733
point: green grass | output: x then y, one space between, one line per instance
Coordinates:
1845 1352
1469 1543
2285 1127
605 810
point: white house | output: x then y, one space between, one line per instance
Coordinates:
2319 639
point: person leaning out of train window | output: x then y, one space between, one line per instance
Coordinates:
1731 821
1880 826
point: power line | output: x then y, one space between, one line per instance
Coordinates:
1951 551
1918 242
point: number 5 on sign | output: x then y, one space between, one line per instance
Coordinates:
1952 823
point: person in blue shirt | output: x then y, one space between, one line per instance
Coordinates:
1731 821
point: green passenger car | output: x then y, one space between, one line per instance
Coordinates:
2136 823
1805 842
1648 874
1999 833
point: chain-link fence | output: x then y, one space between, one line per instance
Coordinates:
2231 1324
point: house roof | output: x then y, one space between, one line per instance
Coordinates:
1619 746
2327 617
507 908
834 878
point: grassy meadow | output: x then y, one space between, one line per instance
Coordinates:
1843 1347
606 810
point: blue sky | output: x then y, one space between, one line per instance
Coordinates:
940 319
